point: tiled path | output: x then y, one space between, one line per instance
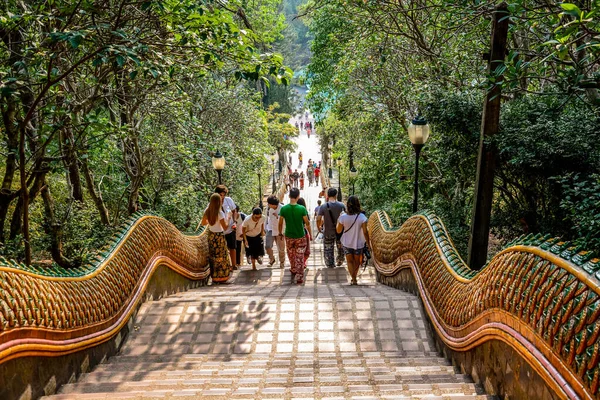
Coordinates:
262 337
259 337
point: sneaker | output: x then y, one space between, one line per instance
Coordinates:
260 260
271 262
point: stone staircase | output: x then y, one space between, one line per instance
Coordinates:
262 337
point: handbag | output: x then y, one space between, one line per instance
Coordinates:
338 236
319 238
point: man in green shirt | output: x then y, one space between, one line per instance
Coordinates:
296 219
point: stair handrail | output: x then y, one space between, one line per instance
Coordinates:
539 295
55 311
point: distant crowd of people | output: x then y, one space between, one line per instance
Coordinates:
297 178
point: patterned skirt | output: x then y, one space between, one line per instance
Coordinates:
218 257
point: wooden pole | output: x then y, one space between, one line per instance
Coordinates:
486 164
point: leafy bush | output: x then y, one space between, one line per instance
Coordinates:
581 203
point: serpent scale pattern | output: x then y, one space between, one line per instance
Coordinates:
540 295
54 307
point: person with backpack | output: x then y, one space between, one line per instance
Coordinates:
326 223
353 228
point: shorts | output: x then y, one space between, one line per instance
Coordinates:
356 252
269 239
231 240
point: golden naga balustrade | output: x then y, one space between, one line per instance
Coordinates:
539 296
52 312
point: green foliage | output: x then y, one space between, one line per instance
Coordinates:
128 104
295 44
581 203
542 140
388 62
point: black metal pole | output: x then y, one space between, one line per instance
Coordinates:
339 196
260 196
274 188
352 187
219 174
417 148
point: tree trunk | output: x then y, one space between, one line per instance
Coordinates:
133 199
70 159
95 195
54 230
7 195
487 159
16 225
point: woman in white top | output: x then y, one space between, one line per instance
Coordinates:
218 254
254 231
355 237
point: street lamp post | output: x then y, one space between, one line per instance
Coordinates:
274 188
330 173
418 133
353 174
218 162
339 164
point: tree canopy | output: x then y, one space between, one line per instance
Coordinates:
378 64
111 106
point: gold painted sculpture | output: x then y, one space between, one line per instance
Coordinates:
539 295
54 311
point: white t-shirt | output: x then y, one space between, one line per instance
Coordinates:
254 228
273 220
353 236
229 205
217 226
238 227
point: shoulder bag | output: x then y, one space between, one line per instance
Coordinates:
338 236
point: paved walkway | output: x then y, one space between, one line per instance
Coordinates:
260 336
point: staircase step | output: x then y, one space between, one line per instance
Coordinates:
413 375
274 341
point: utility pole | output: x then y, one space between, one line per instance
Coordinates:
486 164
